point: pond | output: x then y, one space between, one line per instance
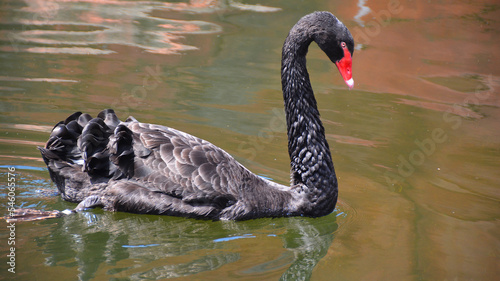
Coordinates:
416 143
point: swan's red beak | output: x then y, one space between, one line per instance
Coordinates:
345 65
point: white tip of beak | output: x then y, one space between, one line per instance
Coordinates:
350 83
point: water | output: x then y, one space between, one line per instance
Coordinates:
416 144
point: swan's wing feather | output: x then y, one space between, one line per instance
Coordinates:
184 166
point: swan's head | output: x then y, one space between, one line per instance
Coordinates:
333 37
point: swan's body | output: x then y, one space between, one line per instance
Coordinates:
144 168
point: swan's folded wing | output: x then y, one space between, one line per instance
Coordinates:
184 166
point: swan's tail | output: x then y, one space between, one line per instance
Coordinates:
77 154
78 160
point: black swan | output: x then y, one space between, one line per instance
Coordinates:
145 168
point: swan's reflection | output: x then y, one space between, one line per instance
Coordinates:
118 245
309 241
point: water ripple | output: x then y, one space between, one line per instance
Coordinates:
88 27
79 27
26 79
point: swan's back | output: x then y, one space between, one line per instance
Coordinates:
145 168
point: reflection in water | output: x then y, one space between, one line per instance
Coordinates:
210 6
309 243
87 27
81 27
363 11
141 246
25 79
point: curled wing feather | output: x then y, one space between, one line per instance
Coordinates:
184 166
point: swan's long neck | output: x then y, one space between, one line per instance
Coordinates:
312 169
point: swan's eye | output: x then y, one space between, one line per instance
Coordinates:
343 45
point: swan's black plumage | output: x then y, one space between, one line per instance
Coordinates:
145 168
